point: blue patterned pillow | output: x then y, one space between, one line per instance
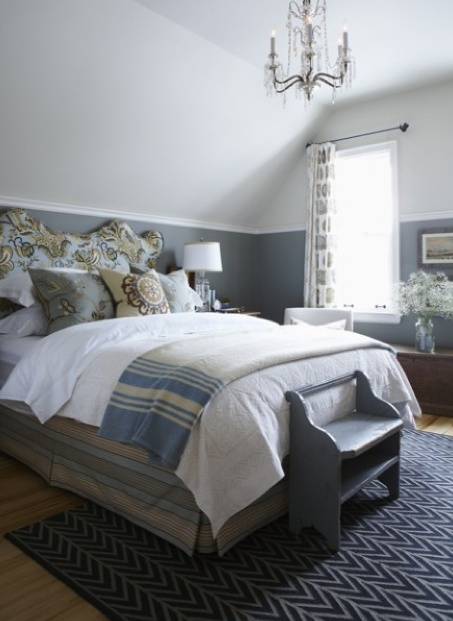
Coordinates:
70 297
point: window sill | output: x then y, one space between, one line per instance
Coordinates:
376 317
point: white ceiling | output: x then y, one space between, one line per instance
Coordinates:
398 44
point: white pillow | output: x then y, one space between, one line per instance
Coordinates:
18 288
340 324
25 322
180 295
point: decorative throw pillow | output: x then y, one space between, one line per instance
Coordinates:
340 324
19 289
136 294
25 322
180 295
70 297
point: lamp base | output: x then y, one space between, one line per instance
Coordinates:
202 287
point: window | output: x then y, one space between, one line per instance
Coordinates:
368 238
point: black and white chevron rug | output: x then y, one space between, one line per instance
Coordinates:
396 561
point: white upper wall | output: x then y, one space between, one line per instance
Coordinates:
424 151
110 106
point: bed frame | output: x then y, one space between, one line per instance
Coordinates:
71 455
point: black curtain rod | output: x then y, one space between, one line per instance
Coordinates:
403 127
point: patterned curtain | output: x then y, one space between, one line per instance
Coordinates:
319 288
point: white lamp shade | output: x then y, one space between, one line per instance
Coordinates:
202 257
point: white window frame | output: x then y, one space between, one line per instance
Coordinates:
388 315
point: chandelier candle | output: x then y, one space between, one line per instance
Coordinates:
309 31
345 39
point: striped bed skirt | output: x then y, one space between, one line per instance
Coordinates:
72 456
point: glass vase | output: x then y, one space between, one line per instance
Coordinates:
424 335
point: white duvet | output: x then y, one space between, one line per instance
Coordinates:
235 452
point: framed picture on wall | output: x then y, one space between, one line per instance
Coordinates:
435 248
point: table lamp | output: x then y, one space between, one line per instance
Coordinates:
201 257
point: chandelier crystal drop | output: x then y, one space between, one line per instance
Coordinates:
307 41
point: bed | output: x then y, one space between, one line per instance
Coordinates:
62 374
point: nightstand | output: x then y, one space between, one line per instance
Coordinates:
238 310
431 377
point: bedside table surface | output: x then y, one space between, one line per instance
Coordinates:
409 349
239 310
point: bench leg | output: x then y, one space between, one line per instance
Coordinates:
391 479
316 500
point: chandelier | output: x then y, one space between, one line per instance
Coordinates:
307 41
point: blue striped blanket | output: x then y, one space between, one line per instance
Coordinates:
156 405
157 400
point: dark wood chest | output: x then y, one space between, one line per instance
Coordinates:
431 377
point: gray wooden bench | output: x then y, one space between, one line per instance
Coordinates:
330 464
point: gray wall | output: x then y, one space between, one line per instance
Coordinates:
280 281
280 275
266 272
404 332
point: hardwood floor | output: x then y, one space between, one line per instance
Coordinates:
27 591
436 424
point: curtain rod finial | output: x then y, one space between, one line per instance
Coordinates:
404 127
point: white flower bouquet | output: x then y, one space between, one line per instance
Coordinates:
426 295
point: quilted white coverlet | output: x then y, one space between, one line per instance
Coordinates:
234 455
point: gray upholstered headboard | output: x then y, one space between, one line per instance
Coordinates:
27 242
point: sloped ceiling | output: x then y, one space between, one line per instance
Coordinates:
398 44
156 108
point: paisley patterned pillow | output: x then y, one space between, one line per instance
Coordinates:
70 297
136 294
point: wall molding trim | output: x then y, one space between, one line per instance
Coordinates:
294 228
78 210
427 215
411 217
